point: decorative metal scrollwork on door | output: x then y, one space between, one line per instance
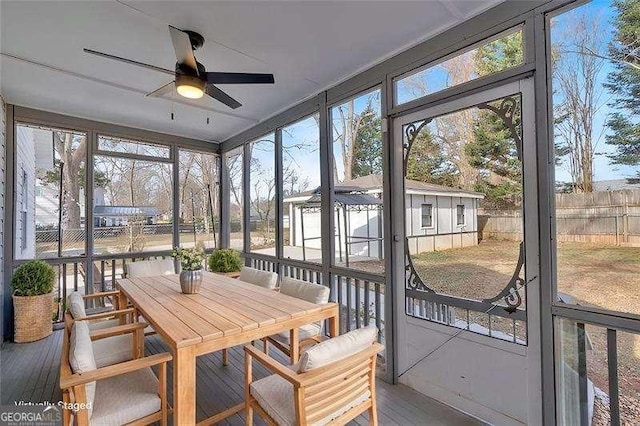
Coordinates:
412 278
506 111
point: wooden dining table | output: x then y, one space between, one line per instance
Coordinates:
225 313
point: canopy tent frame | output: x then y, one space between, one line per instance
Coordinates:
347 202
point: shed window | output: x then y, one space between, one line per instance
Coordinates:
427 216
460 214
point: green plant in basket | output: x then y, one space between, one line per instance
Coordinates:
225 260
190 259
33 278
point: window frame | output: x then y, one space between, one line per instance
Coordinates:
463 215
24 212
102 152
430 216
434 63
247 195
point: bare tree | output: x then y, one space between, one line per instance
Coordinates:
580 62
347 122
72 150
453 131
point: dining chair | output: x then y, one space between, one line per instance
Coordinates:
97 319
117 394
306 335
115 338
333 383
266 279
149 268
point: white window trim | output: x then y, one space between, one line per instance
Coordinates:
464 216
432 226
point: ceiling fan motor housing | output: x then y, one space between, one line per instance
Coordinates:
190 80
195 38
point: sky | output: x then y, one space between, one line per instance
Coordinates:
306 133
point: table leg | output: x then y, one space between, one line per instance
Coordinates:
294 345
184 386
122 304
334 324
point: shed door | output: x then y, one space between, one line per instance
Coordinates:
467 264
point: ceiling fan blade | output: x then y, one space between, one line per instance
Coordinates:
218 94
164 90
182 47
129 61
239 78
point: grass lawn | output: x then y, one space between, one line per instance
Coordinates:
606 277
603 276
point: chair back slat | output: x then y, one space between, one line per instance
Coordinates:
338 393
346 382
353 388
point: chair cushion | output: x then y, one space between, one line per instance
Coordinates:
337 348
102 324
81 357
304 332
150 268
126 397
264 279
76 305
275 396
314 293
113 350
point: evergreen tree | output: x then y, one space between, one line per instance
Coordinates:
428 163
493 148
494 152
367 146
501 54
624 84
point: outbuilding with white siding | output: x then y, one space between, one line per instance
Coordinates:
437 218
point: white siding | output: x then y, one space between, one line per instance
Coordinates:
442 235
444 215
312 226
25 164
445 232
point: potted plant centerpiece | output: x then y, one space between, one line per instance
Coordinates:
32 285
225 261
191 274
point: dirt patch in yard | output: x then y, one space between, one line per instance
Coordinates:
601 276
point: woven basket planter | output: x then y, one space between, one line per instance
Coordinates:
32 317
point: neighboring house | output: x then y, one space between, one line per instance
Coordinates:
437 217
121 215
107 215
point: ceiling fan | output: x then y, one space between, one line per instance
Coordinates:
191 79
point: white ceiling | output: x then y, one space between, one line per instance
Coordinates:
308 45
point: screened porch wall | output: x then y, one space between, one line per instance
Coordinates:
96 258
3 142
529 18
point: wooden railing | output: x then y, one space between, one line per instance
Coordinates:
489 319
359 294
73 274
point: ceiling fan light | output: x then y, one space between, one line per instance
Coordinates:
189 86
190 92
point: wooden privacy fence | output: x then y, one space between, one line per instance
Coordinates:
606 217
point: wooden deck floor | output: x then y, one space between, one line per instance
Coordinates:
29 372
